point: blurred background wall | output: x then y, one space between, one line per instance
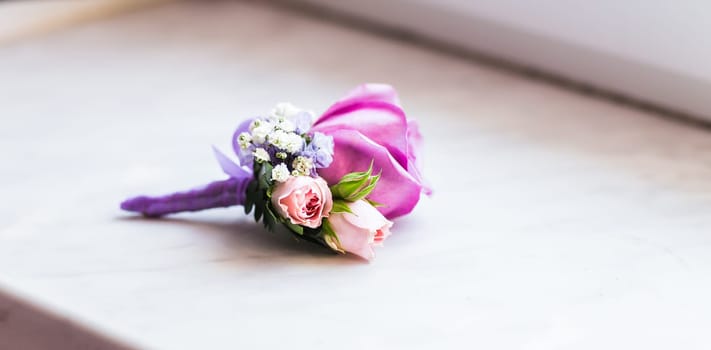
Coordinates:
655 52
652 53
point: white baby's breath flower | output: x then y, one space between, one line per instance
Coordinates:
283 111
261 155
280 173
302 165
254 124
286 125
260 132
244 139
277 138
293 143
281 155
291 118
288 141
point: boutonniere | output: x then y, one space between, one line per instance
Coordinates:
337 180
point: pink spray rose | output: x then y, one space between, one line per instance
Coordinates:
359 232
369 125
303 200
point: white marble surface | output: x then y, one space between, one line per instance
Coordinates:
558 221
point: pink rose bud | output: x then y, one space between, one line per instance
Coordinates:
359 232
303 200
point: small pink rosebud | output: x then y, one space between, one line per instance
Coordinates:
359 232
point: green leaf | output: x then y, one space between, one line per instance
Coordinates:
252 186
248 205
258 209
268 171
265 176
270 220
295 228
256 167
250 196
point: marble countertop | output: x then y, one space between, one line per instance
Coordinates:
559 221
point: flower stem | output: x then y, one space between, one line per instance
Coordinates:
217 194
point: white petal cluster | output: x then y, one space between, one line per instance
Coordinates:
282 139
290 118
287 141
261 155
280 173
286 125
302 166
284 111
260 130
244 139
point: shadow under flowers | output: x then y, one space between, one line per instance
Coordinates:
243 241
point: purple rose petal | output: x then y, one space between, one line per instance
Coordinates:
397 188
381 122
366 124
363 93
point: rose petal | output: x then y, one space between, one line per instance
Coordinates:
414 154
366 92
352 239
374 110
289 199
382 122
397 188
367 217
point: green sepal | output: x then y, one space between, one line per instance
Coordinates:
355 186
340 206
330 235
345 189
326 229
367 189
374 203
356 176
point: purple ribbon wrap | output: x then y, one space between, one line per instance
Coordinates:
217 194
